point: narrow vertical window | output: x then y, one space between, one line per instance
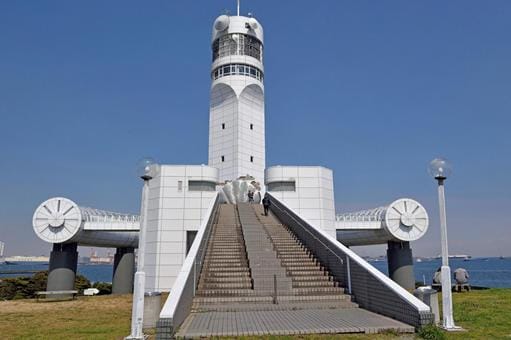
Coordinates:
223 158
251 126
252 159
179 186
223 126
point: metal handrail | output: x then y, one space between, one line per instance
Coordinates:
340 258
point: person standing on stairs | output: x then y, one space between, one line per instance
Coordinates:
266 204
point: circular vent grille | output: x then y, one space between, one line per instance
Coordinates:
57 220
406 219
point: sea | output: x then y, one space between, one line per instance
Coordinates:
492 272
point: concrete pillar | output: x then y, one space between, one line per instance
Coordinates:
400 262
124 270
63 262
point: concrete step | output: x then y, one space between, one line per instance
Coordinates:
224 236
285 305
214 279
301 262
225 264
225 292
228 269
305 273
320 277
225 260
318 290
293 248
269 299
297 259
226 250
307 284
234 277
199 300
225 285
310 265
291 251
233 245
284 240
239 273
227 257
297 268
232 299
298 254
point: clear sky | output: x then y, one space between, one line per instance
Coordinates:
371 89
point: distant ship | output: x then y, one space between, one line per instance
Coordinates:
95 259
462 257
15 259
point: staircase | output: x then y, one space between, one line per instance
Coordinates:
308 276
258 278
225 269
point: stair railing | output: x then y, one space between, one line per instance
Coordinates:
371 289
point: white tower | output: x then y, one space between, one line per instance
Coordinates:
236 118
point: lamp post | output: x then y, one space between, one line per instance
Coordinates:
439 168
146 170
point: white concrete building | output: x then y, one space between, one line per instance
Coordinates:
236 121
308 190
178 198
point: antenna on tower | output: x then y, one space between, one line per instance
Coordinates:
238 7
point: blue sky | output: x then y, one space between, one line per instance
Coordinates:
372 89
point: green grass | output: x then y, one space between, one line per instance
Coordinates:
484 314
101 317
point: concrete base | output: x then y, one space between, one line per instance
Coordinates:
63 263
400 262
152 308
124 271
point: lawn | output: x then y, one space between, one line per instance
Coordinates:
100 317
485 314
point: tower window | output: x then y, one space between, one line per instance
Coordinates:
251 126
223 126
237 69
223 158
252 159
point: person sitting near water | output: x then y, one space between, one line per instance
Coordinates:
461 276
437 277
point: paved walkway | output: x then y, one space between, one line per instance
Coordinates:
279 322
